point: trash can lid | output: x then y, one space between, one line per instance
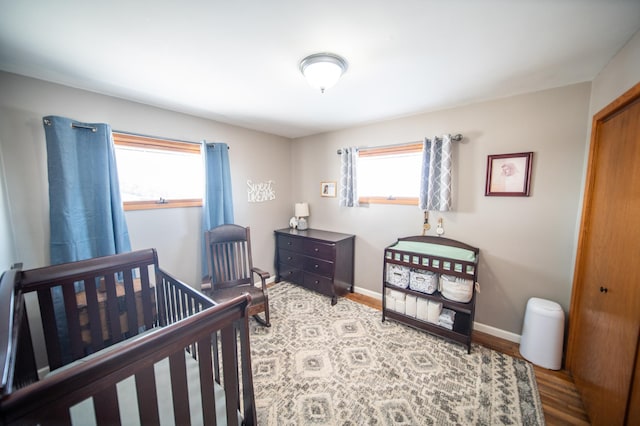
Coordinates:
544 304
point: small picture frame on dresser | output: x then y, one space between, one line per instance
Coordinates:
327 189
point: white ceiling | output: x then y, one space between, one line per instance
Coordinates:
237 61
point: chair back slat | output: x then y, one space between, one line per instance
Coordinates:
229 256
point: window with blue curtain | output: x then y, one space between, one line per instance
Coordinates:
85 209
218 198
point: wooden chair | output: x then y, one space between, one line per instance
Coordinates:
231 269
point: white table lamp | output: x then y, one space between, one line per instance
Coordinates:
301 212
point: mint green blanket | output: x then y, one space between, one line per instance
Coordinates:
436 250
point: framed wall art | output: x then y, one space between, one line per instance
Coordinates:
509 175
327 189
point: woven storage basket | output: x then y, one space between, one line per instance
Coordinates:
423 281
398 275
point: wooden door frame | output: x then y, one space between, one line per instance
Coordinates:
614 107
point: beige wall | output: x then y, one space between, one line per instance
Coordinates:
175 233
525 242
620 74
7 245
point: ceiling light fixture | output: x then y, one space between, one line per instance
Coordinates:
323 70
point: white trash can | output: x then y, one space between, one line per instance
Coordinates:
543 333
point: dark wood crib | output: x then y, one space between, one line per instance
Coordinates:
138 346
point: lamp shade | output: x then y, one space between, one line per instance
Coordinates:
302 210
323 70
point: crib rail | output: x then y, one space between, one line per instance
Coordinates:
177 301
88 305
50 400
16 350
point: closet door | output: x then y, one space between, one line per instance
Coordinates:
605 306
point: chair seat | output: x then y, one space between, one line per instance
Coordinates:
222 295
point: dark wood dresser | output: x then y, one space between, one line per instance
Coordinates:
318 260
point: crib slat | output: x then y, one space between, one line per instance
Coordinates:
172 304
105 404
179 388
93 312
249 406
61 414
147 396
73 320
183 305
191 310
216 360
113 314
147 303
230 372
161 294
130 303
206 382
50 328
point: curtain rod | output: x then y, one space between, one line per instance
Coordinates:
454 138
161 138
154 137
74 125
94 129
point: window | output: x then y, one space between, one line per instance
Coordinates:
158 173
390 175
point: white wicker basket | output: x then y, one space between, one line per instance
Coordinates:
457 289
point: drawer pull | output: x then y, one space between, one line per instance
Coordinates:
316 266
316 249
289 243
289 257
317 282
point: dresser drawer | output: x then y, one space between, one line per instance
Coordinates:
289 243
320 250
317 283
318 266
290 274
291 258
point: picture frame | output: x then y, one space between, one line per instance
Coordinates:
509 175
328 189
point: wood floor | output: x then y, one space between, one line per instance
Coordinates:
561 402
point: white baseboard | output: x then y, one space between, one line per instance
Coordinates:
493 331
367 292
497 332
270 280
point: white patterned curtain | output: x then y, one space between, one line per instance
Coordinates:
435 180
348 182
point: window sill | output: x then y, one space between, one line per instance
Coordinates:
167 204
404 201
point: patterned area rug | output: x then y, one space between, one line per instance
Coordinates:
341 365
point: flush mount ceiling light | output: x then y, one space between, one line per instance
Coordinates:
323 70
